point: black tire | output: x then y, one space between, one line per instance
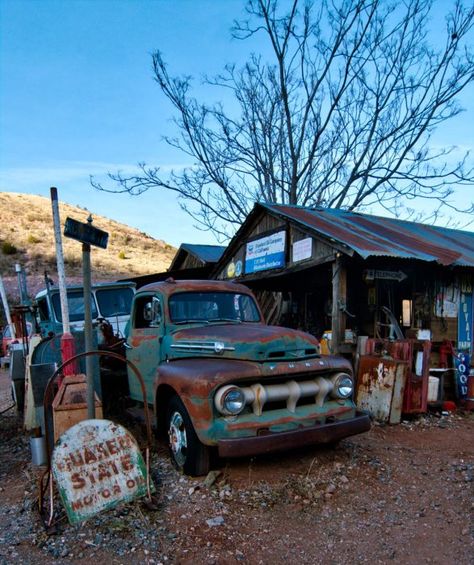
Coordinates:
187 452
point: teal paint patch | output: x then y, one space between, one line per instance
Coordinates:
248 424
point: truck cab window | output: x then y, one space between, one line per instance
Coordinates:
43 309
147 312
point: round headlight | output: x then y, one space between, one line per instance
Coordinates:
233 401
344 387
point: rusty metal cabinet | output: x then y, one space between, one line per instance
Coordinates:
416 354
380 387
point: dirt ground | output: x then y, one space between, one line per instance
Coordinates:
400 494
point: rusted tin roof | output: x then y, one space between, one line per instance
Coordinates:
378 236
204 253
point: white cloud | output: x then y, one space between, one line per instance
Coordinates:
26 178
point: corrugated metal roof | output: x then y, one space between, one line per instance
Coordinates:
206 253
378 236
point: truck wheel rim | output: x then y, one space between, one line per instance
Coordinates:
177 435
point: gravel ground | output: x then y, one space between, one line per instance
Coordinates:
401 494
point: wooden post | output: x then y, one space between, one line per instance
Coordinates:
339 298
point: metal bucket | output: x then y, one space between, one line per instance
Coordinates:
38 450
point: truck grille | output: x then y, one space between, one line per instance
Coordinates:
290 394
258 395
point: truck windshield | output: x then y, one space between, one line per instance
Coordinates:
212 307
114 301
75 300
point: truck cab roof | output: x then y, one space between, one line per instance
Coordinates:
170 286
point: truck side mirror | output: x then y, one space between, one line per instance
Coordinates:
152 312
147 312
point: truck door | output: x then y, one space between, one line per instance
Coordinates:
144 341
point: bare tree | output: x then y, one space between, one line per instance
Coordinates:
342 116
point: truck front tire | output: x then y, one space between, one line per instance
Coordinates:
187 452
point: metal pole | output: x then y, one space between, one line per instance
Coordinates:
6 307
20 286
27 300
86 273
67 341
21 274
48 282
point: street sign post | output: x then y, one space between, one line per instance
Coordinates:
88 235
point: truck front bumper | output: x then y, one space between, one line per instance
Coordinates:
270 442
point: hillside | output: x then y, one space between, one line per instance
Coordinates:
26 237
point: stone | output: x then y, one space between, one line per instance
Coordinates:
211 478
217 521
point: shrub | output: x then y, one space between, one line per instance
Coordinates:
122 255
73 261
8 248
33 239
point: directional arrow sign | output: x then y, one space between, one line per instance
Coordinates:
371 274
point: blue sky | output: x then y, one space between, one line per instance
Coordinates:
77 98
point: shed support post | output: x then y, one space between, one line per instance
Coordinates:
339 297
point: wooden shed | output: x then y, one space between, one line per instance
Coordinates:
342 275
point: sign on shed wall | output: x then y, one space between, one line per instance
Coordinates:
265 253
465 319
302 249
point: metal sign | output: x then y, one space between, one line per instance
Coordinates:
465 321
462 363
371 274
265 253
302 249
97 464
85 233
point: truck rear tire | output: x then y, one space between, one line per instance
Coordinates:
187 452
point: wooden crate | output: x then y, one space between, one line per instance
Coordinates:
70 404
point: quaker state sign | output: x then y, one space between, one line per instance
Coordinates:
97 464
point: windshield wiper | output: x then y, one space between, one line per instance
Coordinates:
232 320
180 322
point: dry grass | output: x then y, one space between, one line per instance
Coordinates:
26 237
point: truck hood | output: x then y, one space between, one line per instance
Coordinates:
256 342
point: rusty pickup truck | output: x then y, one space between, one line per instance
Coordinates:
220 379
